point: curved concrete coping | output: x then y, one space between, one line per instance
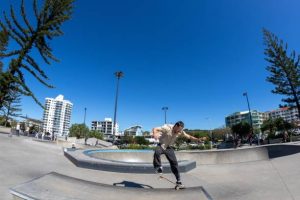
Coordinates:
54 186
223 156
240 155
134 164
141 161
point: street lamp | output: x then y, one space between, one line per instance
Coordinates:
250 115
118 74
165 110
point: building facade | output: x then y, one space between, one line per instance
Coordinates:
29 122
134 131
286 113
105 126
57 116
257 118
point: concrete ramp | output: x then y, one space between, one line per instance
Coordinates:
54 186
122 162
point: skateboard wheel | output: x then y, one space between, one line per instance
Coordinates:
176 187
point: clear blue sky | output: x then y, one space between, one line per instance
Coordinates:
196 57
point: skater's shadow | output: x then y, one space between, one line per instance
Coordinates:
131 184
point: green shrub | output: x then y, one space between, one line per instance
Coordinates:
197 147
141 140
136 146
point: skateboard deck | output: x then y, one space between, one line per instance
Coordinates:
177 187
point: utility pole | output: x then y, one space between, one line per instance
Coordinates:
165 110
118 74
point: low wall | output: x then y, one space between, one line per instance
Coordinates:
80 159
225 156
5 130
201 157
141 161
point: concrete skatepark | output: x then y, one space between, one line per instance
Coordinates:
71 188
277 177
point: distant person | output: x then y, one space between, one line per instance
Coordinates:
261 142
237 141
263 138
167 136
285 136
250 138
18 130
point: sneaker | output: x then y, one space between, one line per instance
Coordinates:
179 185
159 170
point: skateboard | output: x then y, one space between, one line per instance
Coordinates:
177 187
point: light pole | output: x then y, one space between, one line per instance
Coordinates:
85 136
118 74
165 110
250 115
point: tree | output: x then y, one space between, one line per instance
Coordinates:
282 125
179 141
5 78
200 134
276 125
146 133
3 46
48 22
33 129
13 123
128 139
284 69
2 120
96 134
79 131
12 108
242 128
141 140
220 133
269 125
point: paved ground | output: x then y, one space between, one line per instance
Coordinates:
22 159
69 188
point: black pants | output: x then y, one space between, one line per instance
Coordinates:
170 154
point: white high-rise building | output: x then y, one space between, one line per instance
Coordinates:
57 116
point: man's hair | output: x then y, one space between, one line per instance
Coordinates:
179 123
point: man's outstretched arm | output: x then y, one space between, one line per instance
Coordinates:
194 138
